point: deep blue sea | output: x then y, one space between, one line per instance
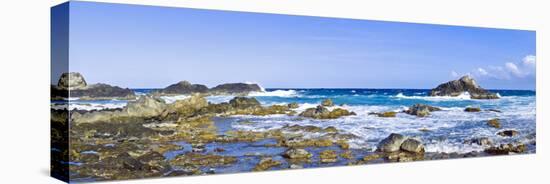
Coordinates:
442 131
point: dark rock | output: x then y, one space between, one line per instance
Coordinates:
391 143
293 105
505 149
494 123
458 87
508 133
73 85
244 102
494 110
184 87
412 145
235 88
472 109
101 91
421 110
321 112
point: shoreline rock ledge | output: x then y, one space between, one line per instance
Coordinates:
458 87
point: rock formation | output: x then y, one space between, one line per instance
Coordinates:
235 88
458 87
73 84
184 87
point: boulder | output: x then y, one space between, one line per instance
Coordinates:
265 164
328 156
505 149
244 102
297 153
412 145
144 107
421 110
508 133
472 109
71 80
494 123
391 143
235 88
184 87
293 105
327 103
460 86
321 112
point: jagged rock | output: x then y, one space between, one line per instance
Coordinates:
321 112
145 106
244 102
102 91
494 123
185 108
328 156
412 145
391 143
265 164
293 105
421 110
458 87
327 103
184 87
71 81
505 149
472 109
235 88
297 153
508 133
73 85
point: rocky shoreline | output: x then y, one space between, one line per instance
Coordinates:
152 138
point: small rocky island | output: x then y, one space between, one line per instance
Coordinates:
186 88
73 85
460 86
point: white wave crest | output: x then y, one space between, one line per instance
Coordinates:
172 99
277 93
463 96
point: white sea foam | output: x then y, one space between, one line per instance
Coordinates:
463 96
276 93
88 106
172 99
447 129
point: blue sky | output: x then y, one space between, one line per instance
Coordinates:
148 47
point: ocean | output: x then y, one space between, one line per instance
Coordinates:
442 132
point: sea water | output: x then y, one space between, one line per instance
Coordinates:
443 131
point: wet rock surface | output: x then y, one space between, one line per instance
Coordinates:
421 110
321 112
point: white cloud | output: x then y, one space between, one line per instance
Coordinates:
512 68
454 74
530 61
482 71
509 70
